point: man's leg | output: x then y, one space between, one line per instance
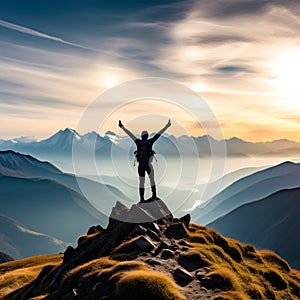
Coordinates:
152 182
141 172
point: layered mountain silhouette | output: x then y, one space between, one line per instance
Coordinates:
47 200
19 241
209 188
18 165
165 259
248 189
60 145
272 222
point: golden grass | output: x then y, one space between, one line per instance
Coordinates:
87 269
272 259
229 278
16 274
146 285
231 295
253 274
102 269
114 273
133 276
125 247
86 237
237 270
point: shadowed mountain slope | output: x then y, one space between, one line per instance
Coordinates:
272 223
15 164
48 200
18 241
5 257
21 165
46 206
247 189
163 260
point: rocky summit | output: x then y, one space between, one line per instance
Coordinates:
162 258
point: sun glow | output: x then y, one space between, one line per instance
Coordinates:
287 72
109 79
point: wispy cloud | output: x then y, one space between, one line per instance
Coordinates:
212 47
39 34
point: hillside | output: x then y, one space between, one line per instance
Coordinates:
272 223
16 164
49 201
46 206
163 260
18 241
247 189
16 274
21 165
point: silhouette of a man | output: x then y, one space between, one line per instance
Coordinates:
144 157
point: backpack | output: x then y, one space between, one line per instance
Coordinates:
144 152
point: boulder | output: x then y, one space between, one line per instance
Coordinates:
191 261
186 220
95 229
176 231
118 214
166 254
145 243
182 276
153 235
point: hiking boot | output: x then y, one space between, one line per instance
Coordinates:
153 189
142 192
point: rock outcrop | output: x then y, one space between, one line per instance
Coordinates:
162 258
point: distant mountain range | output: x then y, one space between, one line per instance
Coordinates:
19 241
47 200
60 144
271 223
247 189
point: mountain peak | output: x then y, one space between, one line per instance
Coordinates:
110 133
151 259
236 139
69 131
62 139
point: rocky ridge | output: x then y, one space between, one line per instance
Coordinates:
165 259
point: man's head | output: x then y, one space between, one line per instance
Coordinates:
144 135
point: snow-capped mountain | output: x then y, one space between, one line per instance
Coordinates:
63 139
61 143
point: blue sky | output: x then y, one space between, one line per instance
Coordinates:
242 57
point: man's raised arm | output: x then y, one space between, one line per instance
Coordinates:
161 131
165 128
130 134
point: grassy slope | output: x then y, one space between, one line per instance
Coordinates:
231 269
16 274
241 271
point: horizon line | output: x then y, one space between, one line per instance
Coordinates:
167 134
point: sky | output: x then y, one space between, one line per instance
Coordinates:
242 57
